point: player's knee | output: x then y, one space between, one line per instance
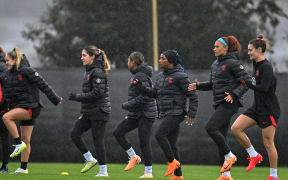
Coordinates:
235 129
268 143
74 135
26 140
5 118
159 136
209 129
117 133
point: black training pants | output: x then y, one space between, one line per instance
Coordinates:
83 124
167 136
144 126
218 126
4 134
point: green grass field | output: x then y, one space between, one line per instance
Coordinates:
51 171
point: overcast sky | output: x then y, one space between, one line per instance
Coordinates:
14 14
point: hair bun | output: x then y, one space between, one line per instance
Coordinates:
260 37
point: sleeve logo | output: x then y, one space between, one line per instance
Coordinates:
98 80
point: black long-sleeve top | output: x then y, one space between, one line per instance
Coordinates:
265 99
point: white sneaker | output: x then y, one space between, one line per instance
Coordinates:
146 176
101 175
20 171
18 149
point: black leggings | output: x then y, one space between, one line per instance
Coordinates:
83 124
144 126
4 134
167 136
218 127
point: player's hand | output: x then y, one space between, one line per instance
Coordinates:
61 99
228 98
135 81
190 120
193 86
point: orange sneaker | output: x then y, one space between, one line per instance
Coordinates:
272 178
225 178
176 177
253 161
172 167
228 164
132 162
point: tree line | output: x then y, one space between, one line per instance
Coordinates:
120 27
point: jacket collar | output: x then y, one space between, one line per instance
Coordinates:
230 55
176 68
97 63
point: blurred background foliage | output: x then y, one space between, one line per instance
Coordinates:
120 27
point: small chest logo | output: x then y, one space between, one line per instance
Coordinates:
170 80
98 80
20 77
223 67
257 73
88 77
132 81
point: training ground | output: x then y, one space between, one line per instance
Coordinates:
52 171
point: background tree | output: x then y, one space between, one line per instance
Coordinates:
120 27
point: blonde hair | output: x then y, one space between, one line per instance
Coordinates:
107 66
93 50
16 55
2 51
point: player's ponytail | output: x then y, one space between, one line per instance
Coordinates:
260 42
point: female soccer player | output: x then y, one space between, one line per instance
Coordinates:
3 130
265 111
171 91
225 80
142 112
95 107
20 85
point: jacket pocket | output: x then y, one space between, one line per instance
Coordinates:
106 109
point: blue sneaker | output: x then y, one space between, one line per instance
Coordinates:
4 169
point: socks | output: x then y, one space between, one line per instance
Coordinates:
17 140
103 169
227 174
251 151
88 156
229 155
23 165
273 172
131 152
148 169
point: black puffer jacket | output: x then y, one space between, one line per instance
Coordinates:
2 63
95 90
21 88
171 91
227 75
3 68
138 104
